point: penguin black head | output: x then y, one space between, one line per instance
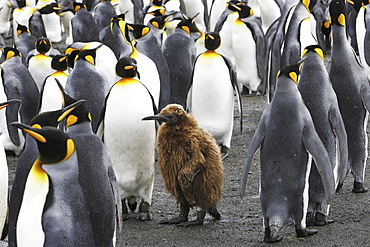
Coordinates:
212 41
126 67
313 48
9 102
309 4
43 45
172 114
53 118
122 25
157 2
291 71
10 52
159 21
78 6
21 4
157 12
138 30
60 62
50 8
87 55
78 115
54 145
337 12
234 5
188 25
326 29
22 29
245 11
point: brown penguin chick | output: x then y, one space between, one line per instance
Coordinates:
190 164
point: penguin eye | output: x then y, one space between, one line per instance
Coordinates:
171 116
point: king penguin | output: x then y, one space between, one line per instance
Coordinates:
86 82
180 52
17 83
25 161
25 42
83 25
95 167
211 95
53 210
190 164
351 85
321 100
4 210
39 65
130 142
287 139
50 97
248 47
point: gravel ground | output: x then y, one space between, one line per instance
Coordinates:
241 223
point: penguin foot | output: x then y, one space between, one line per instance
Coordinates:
271 236
301 233
125 216
144 213
358 187
196 222
214 213
144 216
132 203
321 220
176 220
224 151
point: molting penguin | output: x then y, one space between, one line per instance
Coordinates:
351 85
4 211
287 138
25 162
53 210
211 95
86 82
190 163
130 142
321 100
17 83
180 52
50 97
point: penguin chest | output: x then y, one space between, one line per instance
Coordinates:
244 50
40 67
212 96
51 98
29 223
130 141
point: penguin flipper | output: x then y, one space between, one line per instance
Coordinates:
315 147
186 178
11 113
336 121
255 144
5 229
235 85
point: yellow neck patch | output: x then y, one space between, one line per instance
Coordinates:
38 173
126 81
71 120
342 20
293 76
70 149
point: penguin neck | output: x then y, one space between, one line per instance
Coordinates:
84 127
339 35
127 80
32 207
285 85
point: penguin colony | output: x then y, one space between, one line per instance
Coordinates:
86 155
